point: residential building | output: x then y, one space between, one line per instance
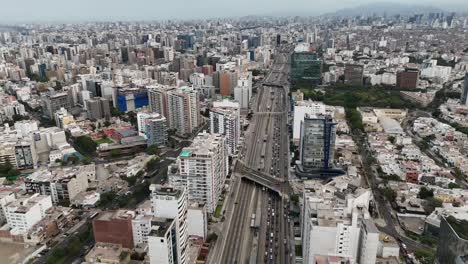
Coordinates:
24 212
53 102
464 94
141 227
171 203
368 242
63 119
156 131
197 221
17 150
332 224
408 79
62 184
114 227
157 96
162 242
183 110
5 198
202 168
242 95
98 108
354 74
227 123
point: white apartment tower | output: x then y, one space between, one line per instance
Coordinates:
226 122
162 242
171 203
202 168
153 126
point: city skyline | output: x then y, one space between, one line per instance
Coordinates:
143 10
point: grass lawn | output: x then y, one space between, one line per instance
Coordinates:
218 209
104 140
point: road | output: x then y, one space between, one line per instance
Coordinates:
266 150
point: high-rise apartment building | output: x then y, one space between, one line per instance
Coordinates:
153 126
183 110
98 108
227 82
157 96
227 123
464 95
162 242
202 169
171 203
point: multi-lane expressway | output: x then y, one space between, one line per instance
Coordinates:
257 228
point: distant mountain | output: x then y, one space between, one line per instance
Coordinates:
385 8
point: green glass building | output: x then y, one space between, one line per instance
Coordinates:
306 68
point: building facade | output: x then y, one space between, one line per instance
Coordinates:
408 79
114 227
171 203
183 110
202 168
317 142
226 122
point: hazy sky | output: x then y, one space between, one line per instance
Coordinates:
103 10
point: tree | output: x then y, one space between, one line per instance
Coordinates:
116 112
391 139
354 118
295 198
13 173
130 180
152 150
425 193
453 185
152 164
389 194
86 144
132 118
115 153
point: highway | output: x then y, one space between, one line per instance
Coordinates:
265 154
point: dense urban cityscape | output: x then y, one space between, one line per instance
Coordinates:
260 139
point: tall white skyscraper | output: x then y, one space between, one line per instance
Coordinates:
202 168
171 203
226 121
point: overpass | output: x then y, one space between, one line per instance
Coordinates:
265 180
273 85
